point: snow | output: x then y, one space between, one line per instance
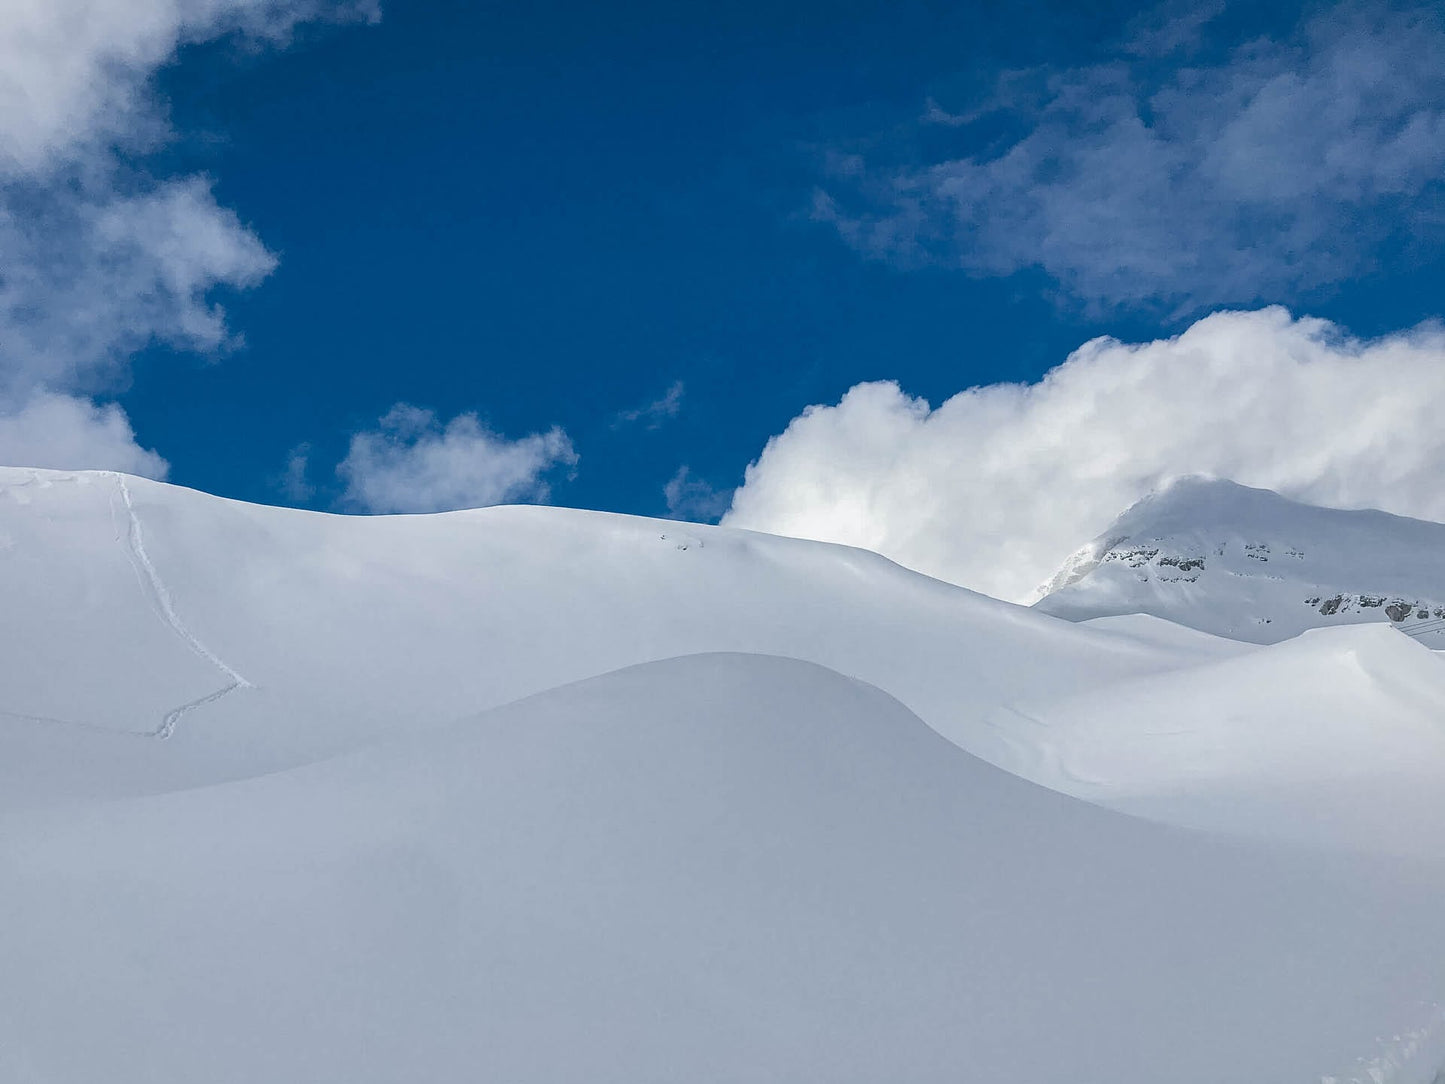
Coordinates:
328 632
78 602
717 868
1334 738
535 794
1252 565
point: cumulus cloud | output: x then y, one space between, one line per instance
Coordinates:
99 257
413 463
653 414
1289 164
997 486
68 433
74 73
89 279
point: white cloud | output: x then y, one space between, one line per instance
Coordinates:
99 258
67 433
655 412
74 73
91 278
1285 166
998 485
412 463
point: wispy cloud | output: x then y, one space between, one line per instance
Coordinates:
1170 27
1286 165
294 481
995 487
413 463
653 414
694 499
98 256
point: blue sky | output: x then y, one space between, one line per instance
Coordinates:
658 232
550 214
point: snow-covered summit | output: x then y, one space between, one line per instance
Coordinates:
1252 565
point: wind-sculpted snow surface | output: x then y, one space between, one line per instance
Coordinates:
717 868
530 794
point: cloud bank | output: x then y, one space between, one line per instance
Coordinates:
1285 165
413 463
98 257
997 486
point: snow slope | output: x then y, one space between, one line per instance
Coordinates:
1334 738
87 632
255 639
532 794
258 638
716 868
1252 565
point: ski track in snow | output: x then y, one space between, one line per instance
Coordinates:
161 597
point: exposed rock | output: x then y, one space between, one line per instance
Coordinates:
1398 611
1184 564
1239 562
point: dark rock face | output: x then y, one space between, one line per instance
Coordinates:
1397 609
1167 567
1183 564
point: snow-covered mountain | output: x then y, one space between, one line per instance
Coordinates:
1251 565
532 794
